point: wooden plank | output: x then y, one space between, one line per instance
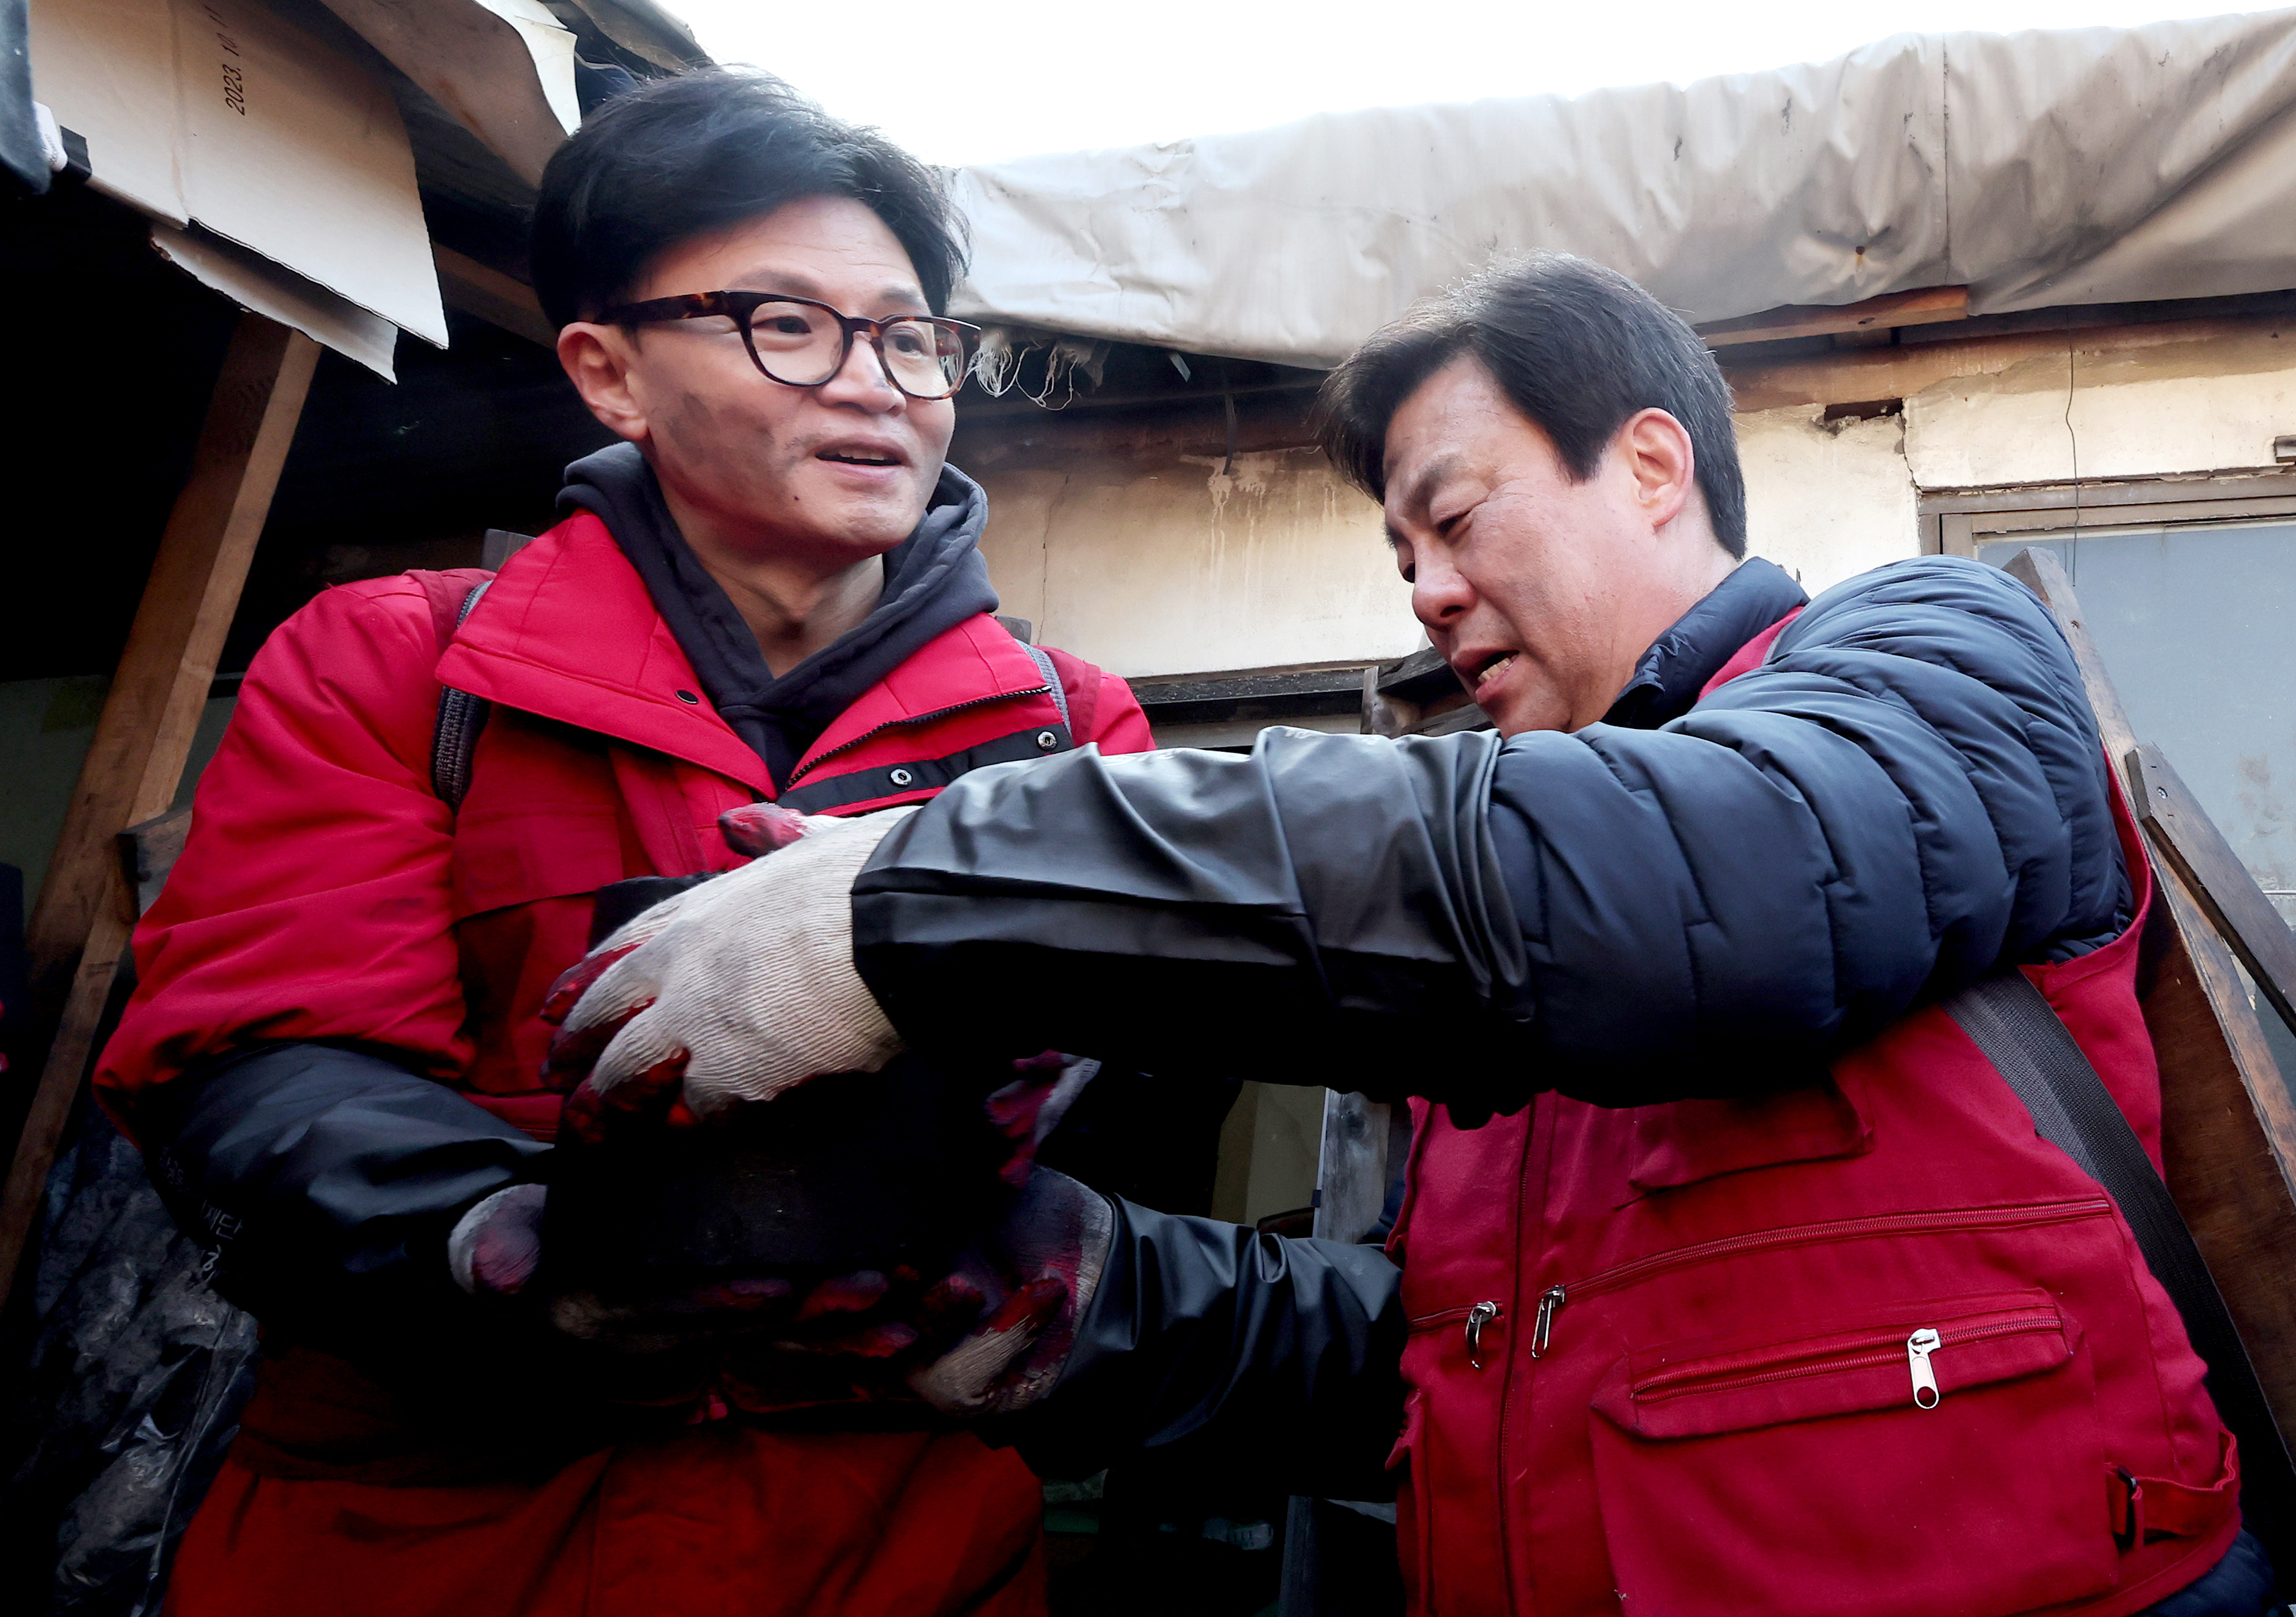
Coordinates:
1847 375
2236 906
2043 574
1419 695
1353 1165
2228 1123
1926 306
144 733
499 300
81 922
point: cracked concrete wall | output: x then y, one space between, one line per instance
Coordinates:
1826 500
2213 403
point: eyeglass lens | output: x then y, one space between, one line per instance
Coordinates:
803 346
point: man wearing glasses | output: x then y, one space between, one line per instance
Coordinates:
769 590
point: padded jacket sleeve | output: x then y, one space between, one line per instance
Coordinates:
300 997
312 899
1262 1356
1909 789
325 1179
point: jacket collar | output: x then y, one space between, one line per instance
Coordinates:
568 631
1667 680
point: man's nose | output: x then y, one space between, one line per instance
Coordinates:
1439 592
862 380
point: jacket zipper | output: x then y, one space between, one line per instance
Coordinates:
810 765
1552 1301
1882 1348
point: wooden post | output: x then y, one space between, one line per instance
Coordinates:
2228 1123
80 924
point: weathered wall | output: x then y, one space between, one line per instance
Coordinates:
1826 500
1152 560
1172 565
2207 405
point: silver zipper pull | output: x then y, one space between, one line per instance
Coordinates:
1549 1300
1477 1316
1919 1346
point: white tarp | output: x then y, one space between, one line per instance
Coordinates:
2048 168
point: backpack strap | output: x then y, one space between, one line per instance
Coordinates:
462 716
1043 659
1056 667
2019 1030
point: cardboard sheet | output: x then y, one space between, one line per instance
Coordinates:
505 69
217 112
253 281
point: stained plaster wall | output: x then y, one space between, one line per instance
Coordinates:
2213 403
1179 566
1826 500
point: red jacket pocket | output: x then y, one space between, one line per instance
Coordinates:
1935 1456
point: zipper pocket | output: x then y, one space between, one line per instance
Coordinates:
1734 1372
1472 1319
1552 1301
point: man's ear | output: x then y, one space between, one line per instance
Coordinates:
1658 452
598 360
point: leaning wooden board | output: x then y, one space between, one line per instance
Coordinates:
2228 1121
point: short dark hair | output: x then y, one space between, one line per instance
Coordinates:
1577 348
702 152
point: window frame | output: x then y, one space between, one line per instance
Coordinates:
1955 520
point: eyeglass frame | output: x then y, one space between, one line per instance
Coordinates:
739 307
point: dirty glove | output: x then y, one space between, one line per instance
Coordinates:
1034 1277
731 991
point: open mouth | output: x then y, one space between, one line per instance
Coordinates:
859 458
1492 666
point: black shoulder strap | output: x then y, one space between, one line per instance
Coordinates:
454 741
2021 1033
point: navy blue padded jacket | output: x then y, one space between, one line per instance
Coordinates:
1691 897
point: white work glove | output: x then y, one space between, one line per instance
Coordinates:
731 991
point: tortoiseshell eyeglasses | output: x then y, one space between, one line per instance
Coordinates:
802 342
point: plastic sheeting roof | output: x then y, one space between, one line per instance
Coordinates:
2039 169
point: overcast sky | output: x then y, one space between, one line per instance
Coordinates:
969 81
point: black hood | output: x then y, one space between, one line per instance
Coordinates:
934 580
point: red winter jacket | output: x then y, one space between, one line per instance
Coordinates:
327 894
1638 1335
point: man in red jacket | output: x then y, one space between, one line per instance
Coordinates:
770 589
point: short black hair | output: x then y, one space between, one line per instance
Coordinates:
702 152
1577 348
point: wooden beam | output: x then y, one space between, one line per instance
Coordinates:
499 300
1924 307
81 922
1851 376
2228 1119
2178 827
